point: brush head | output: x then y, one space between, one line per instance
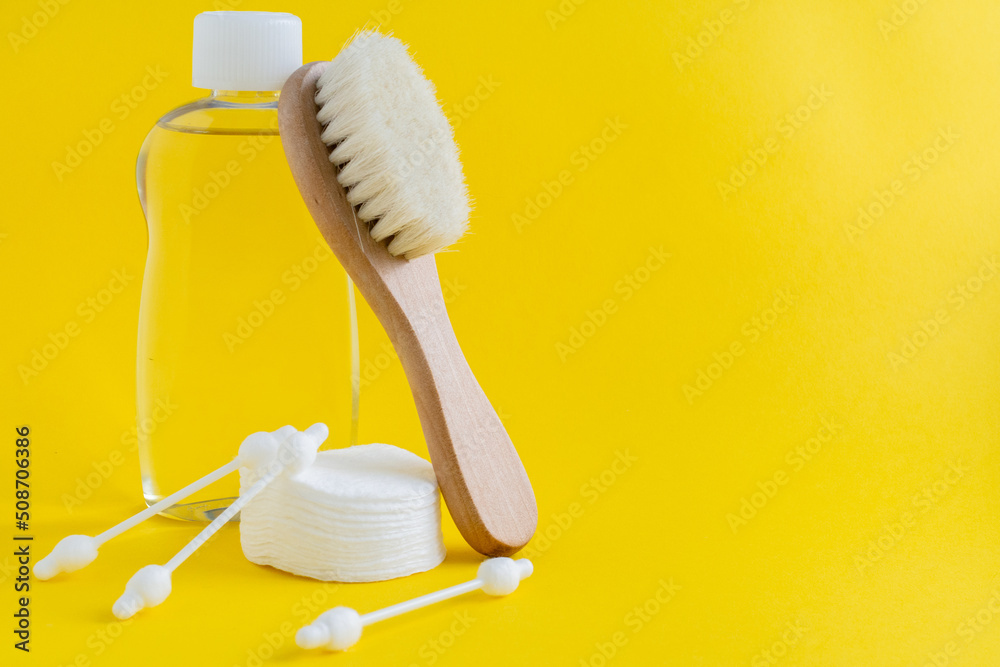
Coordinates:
393 146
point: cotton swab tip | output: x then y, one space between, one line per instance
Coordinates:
501 576
293 450
70 554
148 587
126 606
299 452
319 430
258 449
337 629
340 628
311 636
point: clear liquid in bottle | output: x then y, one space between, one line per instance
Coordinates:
246 318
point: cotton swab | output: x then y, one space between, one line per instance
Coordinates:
151 585
75 552
340 628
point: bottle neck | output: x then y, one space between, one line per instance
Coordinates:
245 96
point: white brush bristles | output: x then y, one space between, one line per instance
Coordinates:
393 146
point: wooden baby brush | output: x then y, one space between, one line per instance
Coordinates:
376 163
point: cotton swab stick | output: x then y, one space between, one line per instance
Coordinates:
151 585
340 628
75 552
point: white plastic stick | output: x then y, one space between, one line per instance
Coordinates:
78 551
75 552
340 628
151 585
221 520
422 601
168 502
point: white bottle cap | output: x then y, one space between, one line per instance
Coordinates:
245 50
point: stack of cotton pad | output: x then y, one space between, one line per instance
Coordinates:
364 513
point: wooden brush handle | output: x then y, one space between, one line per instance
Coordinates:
481 477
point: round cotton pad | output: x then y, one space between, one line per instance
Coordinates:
364 513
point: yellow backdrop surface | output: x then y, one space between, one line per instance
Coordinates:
733 285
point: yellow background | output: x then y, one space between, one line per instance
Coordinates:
794 579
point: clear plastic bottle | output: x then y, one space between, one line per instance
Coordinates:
246 317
